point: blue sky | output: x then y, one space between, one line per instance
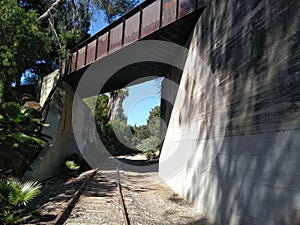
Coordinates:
143 97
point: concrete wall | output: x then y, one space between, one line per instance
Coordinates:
59 117
169 89
48 83
72 130
241 166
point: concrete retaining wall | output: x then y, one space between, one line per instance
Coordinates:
51 159
48 83
68 116
239 166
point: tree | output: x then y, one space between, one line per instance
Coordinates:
153 121
114 133
23 43
51 10
69 20
26 27
141 132
114 8
101 110
150 142
115 102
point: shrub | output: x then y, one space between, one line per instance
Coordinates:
149 144
150 147
20 133
19 126
72 167
14 195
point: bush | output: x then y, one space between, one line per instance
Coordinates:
14 195
150 147
149 144
19 126
73 168
152 155
71 165
20 136
80 161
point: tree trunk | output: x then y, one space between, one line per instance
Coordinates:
115 102
18 83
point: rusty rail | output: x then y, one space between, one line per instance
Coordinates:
121 200
60 218
73 200
141 21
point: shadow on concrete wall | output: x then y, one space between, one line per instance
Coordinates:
253 50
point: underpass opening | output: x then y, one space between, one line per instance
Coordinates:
138 146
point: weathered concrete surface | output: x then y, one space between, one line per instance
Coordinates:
252 49
169 89
51 159
48 83
72 129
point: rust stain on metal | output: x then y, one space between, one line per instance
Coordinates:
138 23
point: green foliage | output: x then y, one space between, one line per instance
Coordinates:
14 196
21 193
71 165
152 155
72 22
114 8
149 144
79 159
36 215
154 113
20 137
149 135
91 103
141 132
29 44
23 42
18 127
101 110
73 168
115 134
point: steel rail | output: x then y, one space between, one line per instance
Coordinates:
63 214
121 200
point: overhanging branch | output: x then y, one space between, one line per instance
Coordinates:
52 8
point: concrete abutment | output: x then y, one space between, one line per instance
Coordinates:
241 166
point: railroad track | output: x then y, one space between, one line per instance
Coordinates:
99 200
97 197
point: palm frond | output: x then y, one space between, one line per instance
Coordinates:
23 138
5 189
22 193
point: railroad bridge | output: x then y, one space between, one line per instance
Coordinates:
230 97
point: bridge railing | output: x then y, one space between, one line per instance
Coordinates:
139 22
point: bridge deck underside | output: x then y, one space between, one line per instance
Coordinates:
176 32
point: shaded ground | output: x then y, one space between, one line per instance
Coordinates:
147 198
150 201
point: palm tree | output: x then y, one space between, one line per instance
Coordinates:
14 196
